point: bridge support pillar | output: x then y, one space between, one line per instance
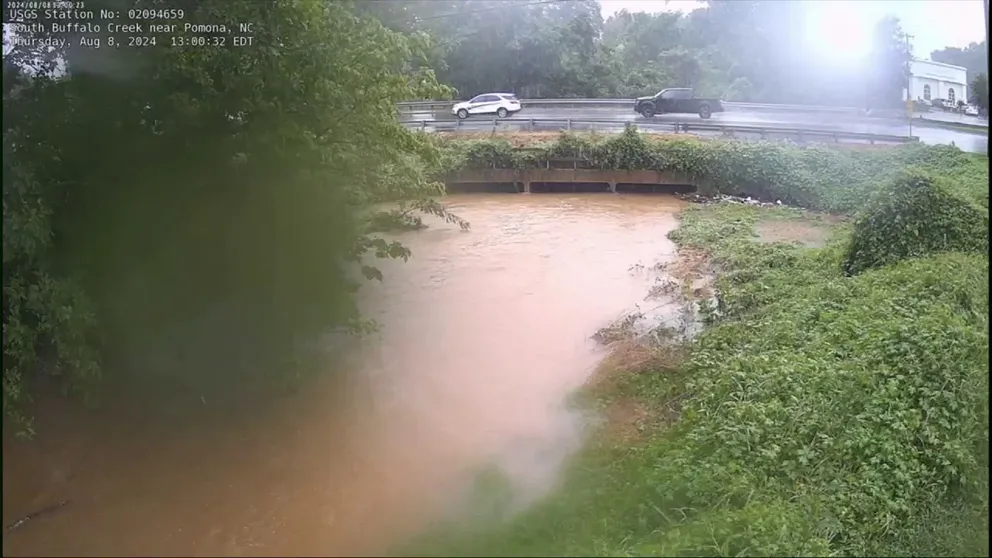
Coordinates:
613 186
526 184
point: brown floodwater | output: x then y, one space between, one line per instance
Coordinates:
484 334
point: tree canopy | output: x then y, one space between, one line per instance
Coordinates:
166 208
979 93
740 50
974 58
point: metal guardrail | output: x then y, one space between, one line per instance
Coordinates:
568 124
922 120
424 106
759 107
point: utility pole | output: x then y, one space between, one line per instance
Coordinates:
909 82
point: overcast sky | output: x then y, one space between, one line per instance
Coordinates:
935 24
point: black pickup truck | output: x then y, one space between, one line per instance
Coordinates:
679 101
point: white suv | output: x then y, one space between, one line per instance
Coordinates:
503 104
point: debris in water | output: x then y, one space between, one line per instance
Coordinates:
44 511
622 328
699 198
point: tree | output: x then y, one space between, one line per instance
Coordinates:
219 216
974 58
889 63
979 95
752 50
684 66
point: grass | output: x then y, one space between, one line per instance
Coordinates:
817 414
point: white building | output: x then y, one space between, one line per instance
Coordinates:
935 80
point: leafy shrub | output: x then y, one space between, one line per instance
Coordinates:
822 414
48 321
216 222
863 396
915 216
572 145
834 179
861 401
627 151
496 154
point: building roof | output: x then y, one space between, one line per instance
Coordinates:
940 64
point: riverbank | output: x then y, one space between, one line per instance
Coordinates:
836 402
480 342
714 439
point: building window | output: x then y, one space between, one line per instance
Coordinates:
950 95
926 92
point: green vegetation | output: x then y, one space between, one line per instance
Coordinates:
171 211
754 51
974 58
186 216
979 94
913 217
230 192
822 178
820 413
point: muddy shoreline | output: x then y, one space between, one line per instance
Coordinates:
462 375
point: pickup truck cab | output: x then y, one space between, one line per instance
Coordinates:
676 101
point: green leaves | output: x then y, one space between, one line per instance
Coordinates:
234 182
860 401
915 216
833 179
744 51
979 92
821 414
974 57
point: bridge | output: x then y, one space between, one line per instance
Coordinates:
568 174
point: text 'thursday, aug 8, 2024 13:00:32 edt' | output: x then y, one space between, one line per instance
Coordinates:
72 24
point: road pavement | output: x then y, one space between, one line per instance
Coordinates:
968 141
954 118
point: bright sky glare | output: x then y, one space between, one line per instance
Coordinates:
843 25
832 32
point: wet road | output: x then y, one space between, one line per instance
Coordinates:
975 142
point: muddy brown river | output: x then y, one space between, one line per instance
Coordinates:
484 334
